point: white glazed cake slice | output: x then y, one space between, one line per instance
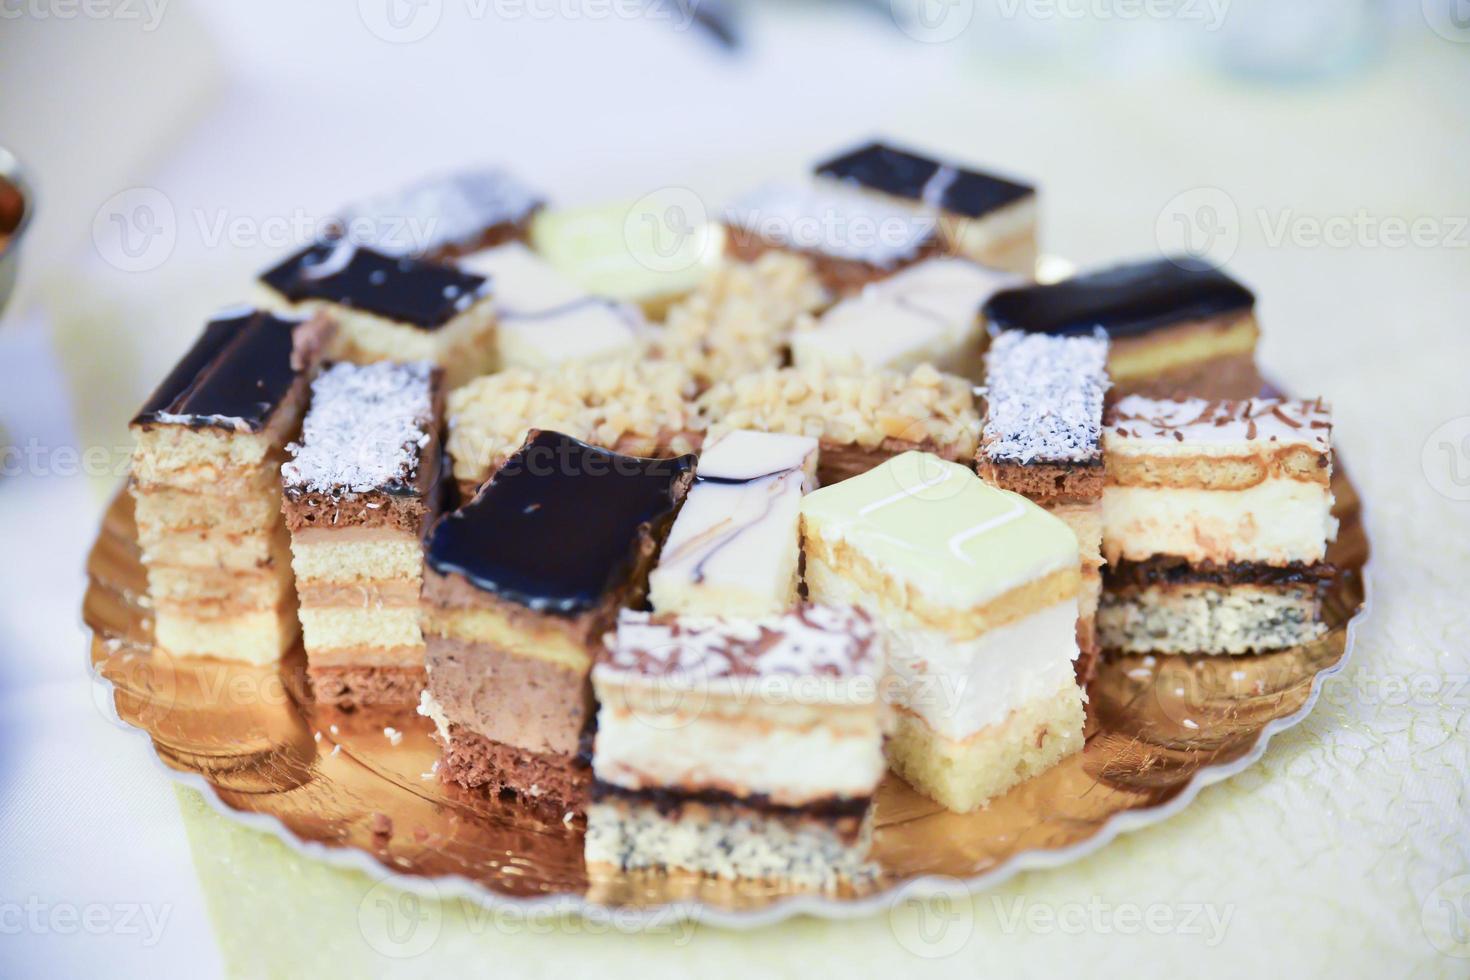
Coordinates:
977 590
927 313
733 550
738 748
544 319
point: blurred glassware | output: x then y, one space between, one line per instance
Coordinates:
1303 40
17 202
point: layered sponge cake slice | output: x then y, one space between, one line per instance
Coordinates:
520 586
977 590
739 748
206 486
1042 438
1216 521
360 491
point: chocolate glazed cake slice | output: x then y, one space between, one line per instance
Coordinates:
520 586
391 308
1178 327
988 218
360 492
206 485
1042 438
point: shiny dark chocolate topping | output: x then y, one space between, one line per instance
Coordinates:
887 169
558 527
233 377
426 295
1124 300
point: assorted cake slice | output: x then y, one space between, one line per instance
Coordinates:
859 420
738 748
714 660
976 589
359 492
391 308
990 219
733 551
520 586
1216 521
206 485
851 237
544 319
439 218
928 313
1177 326
1042 438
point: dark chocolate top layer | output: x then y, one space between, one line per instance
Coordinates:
558 527
1125 300
880 167
426 295
234 376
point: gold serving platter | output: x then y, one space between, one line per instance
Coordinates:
359 789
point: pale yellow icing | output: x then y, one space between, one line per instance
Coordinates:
938 526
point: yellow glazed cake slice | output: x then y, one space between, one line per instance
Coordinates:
977 590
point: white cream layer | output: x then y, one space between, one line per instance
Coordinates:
960 688
710 752
1277 521
928 313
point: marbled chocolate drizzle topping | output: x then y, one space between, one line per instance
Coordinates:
811 641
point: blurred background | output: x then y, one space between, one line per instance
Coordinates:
1318 148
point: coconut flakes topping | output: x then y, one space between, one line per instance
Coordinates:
1045 397
365 430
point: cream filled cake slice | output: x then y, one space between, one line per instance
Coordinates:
444 216
641 408
976 589
1216 521
359 492
858 420
206 486
852 238
391 308
734 548
739 748
1177 326
928 313
1042 438
520 585
544 319
988 218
